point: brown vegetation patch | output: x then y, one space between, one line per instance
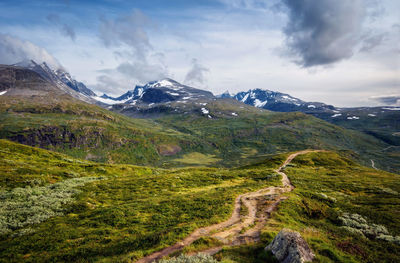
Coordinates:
168 149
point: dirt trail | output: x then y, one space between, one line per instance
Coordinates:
373 164
239 229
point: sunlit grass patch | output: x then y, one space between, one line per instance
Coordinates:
197 158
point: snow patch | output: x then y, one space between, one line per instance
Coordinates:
140 92
173 93
353 118
245 97
391 108
209 117
336 115
259 104
372 115
2 92
234 114
108 101
288 98
311 106
186 98
205 111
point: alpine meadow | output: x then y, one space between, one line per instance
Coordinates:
202 131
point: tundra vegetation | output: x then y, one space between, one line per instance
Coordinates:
82 211
179 139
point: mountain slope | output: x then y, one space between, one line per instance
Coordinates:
57 208
380 122
36 112
199 130
276 101
239 133
157 92
61 79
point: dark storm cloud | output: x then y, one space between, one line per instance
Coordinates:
324 31
64 28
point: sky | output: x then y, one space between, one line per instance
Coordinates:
341 52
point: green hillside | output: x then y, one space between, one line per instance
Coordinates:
56 208
183 138
236 140
85 131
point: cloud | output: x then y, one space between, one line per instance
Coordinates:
65 29
196 74
111 85
14 50
127 36
392 100
142 72
372 41
246 4
129 30
325 31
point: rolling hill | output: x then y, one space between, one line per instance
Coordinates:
192 128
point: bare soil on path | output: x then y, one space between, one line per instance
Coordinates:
239 229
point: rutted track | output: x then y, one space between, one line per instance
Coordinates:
239 229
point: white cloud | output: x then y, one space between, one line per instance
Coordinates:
196 75
14 50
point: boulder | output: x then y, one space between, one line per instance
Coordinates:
289 247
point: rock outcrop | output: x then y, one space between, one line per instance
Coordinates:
289 247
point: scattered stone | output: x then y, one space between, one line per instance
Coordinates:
289 247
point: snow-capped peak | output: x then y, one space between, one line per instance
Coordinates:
167 83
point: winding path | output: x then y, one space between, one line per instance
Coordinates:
373 164
239 229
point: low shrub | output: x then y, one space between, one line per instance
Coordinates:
21 207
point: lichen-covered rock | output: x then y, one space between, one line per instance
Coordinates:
289 247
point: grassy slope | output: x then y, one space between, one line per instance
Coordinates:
320 179
85 131
88 131
237 140
123 212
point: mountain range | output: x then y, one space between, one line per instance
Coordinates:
176 120
168 96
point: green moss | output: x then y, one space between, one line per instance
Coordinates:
131 212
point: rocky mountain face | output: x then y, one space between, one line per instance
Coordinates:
162 91
276 101
61 79
157 97
24 82
66 78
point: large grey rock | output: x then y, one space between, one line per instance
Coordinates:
289 247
